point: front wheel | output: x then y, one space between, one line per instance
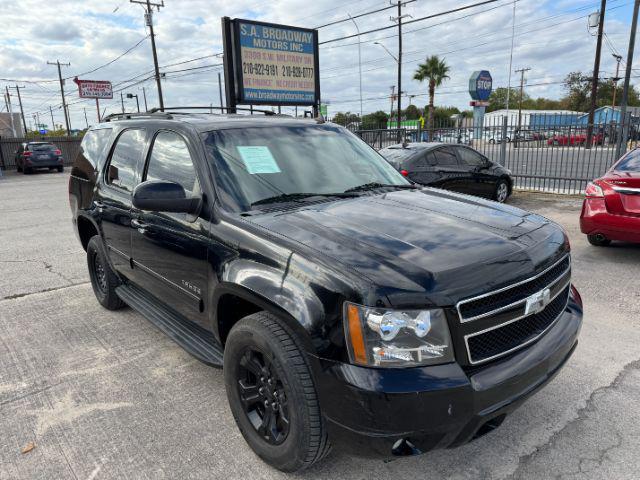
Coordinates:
502 191
272 394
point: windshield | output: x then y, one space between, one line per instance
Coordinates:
255 164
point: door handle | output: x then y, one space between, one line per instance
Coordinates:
141 226
99 206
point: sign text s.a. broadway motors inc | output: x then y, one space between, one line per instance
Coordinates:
276 64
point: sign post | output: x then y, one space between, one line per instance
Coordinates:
95 89
269 64
480 85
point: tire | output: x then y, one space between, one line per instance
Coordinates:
103 280
492 141
598 240
27 171
502 191
259 349
60 169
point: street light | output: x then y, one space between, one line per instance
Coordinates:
359 62
131 95
387 50
399 92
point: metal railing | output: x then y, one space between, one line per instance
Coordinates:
545 152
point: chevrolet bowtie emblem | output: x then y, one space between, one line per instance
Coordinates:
537 301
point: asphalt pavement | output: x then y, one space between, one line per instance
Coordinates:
91 394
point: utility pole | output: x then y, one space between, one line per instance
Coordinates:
144 95
359 62
133 95
627 76
521 72
122 101
24 123
85 116
10 110
64 103
596 72
148 17
220 91
616 78
393 97
53 123
399 20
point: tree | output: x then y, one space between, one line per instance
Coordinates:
435 71
578 93
345 119
412 113
375 120
498 98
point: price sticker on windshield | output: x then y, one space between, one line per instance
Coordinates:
258 159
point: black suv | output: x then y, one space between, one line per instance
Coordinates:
347 305
33 155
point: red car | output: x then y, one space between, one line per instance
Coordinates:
574 139
611 208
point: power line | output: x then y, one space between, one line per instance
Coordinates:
447 12
348 19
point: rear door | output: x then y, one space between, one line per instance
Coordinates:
113 199
477 178
170 249
625 182
448 169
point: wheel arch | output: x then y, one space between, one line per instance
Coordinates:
86 229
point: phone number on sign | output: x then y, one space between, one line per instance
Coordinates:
250 68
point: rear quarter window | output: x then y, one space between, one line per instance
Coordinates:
94 145
631 163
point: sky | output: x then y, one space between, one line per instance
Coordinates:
551 37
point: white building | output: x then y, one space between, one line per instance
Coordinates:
531 118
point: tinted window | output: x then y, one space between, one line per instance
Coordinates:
170 160
424 160
471 158
445 156
93 144
122 169
631 163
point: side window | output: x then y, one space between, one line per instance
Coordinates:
445 157
631 163
93 144
424 160
470 158
170 160
124 160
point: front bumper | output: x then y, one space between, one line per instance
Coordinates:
387 412
596 219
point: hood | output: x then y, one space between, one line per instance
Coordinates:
425 245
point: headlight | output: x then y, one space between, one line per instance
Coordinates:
396 338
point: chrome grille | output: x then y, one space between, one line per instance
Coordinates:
499 322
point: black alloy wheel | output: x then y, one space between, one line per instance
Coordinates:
263 396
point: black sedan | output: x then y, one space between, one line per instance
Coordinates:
452 167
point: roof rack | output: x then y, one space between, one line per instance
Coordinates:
209 108
128 116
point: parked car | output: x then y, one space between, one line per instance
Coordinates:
494 135
574 139
33 155
452 167
611 208
346 305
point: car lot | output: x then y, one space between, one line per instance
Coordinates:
105 395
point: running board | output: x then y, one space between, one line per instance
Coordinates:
194 339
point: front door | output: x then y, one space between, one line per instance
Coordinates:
170 249
114 200
477 180
449 170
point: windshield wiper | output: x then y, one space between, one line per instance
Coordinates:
374 185
293 197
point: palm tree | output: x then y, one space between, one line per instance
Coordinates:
436 71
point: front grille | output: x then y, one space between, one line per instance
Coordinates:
480 306
502 340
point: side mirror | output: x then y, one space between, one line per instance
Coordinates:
163 196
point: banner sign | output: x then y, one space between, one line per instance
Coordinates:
480 85
274 64
94 88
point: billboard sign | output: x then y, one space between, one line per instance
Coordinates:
480 85
272 64
101 89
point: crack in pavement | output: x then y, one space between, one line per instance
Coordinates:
582 412
53 289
